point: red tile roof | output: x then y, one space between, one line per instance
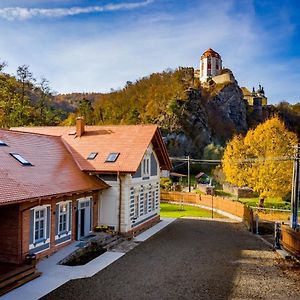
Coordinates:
54 172
131 141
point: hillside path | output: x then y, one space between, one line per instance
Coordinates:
192 259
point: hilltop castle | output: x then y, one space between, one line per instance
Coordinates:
211 69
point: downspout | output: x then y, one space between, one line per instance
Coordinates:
120 202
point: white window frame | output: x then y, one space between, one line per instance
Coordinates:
61 234
146 166
35 243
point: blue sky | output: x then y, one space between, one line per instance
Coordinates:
93 46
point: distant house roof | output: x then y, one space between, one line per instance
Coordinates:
130 142
246 91
201 174
34 166
174 174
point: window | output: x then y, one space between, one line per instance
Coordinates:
92 155
136 206
146 166
72 132
2 143
40 225
153 201
20 159
112 157
145 203
63 217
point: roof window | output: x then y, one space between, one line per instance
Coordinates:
92 155
2 143
112 157
20 159
72 132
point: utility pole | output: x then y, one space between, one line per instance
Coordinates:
189 179
295 189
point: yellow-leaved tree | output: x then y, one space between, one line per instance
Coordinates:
260 160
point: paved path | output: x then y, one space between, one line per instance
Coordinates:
191 259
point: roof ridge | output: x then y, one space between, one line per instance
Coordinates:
32 133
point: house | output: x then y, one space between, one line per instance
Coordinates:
46 202
202 178
128 158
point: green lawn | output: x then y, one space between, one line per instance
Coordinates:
269 202
176 211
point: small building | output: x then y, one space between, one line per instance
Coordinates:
210 65
202 178
256 98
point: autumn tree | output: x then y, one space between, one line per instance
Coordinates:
262 159
86 110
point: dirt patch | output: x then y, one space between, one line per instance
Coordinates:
84 255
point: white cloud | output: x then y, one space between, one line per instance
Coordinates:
22 13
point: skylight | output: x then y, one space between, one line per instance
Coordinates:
20 159
73 132
112 157
92 155
2 143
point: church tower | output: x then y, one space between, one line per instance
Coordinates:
210 64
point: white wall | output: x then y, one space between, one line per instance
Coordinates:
214 71
109 205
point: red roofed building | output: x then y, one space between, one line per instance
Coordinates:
42 190
129 158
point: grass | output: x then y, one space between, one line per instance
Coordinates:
168 210
269 202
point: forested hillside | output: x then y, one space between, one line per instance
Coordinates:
24 101
191 116
143 101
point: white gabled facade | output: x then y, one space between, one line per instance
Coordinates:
139 197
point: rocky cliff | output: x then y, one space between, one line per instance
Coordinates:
209 114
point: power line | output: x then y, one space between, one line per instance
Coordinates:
218 161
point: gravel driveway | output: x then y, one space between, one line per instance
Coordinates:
192 259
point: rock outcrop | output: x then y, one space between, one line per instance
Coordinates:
210 114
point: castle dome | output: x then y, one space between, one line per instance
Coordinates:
210 53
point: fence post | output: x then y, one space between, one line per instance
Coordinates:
277 235
256 222
212 207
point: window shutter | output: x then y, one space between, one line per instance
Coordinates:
48 222
70 216
56 219
31 225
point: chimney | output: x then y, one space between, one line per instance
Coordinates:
79 126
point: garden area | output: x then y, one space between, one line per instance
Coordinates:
168 210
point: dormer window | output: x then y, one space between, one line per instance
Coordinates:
112 157
20 159
92 155
2 143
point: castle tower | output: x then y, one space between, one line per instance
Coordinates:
210 64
